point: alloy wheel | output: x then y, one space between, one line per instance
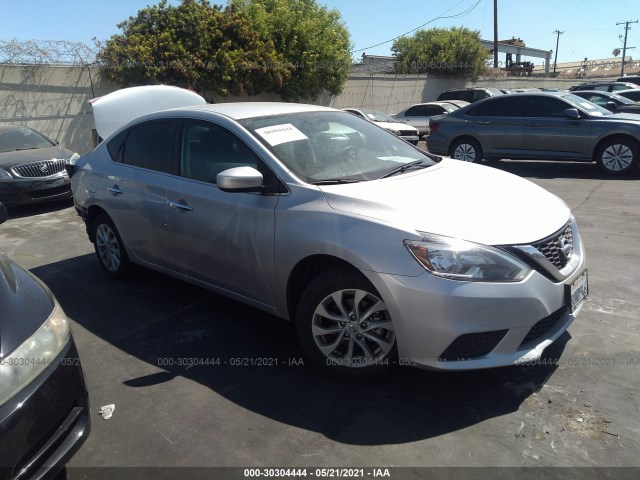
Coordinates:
108 247
617 157
353 328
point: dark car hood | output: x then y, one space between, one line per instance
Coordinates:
25 304
10 159
621 116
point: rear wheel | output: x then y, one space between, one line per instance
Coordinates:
109 248
466 150
344 327
618 156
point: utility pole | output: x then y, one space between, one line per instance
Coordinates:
558 32
495 33
624 49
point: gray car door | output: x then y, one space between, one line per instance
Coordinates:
550 133
221 238
498 124
134 188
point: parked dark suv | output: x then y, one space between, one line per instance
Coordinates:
605 86
470 95
632 78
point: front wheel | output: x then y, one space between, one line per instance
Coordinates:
109 248
344 326
466 150
617 156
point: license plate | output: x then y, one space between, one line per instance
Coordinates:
579 291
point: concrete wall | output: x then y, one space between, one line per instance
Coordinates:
54 100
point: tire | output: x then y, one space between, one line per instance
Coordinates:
617 156
358 339
109 248
467 150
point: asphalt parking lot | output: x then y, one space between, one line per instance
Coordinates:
255 403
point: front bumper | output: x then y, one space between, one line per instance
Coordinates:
445 324
22 191
45 423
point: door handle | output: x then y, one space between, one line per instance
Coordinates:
181 206
482 122
115 190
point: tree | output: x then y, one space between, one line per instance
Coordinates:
194 45
313 40
454 52
616 52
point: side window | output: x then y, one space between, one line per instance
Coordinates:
417 111
208 149
114 147
545 107
500 107
150 146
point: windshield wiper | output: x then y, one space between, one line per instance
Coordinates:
335 181
402 168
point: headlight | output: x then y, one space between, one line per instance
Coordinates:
35 354
460 260
4 175
74 158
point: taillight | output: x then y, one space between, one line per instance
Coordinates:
433 127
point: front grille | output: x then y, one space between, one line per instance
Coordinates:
472 345
44 168
51 192
544 326
559 248
408 133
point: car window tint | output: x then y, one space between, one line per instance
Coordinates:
499 107
114 147
150 146
22 138
417 111
545 107
208 149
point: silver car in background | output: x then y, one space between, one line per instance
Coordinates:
368 244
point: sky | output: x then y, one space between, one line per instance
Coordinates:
589 26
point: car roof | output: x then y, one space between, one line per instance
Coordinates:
242 110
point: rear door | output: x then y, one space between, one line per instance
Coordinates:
134 192
498 124
549 133
223 239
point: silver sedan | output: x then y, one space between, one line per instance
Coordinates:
369 245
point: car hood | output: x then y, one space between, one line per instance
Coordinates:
457 199
626 117
11 159
25 305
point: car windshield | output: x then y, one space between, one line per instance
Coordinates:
22 139
586 106
334 146
376 116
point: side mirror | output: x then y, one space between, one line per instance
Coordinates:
572 113
612 105
3 213
240 179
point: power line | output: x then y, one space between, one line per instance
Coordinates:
439 17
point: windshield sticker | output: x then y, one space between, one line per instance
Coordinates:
278 134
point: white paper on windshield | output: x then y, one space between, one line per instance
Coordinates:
278 134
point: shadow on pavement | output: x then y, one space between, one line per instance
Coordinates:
160 321
557 169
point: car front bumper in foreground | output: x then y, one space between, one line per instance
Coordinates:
46 422
453 325
22 191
